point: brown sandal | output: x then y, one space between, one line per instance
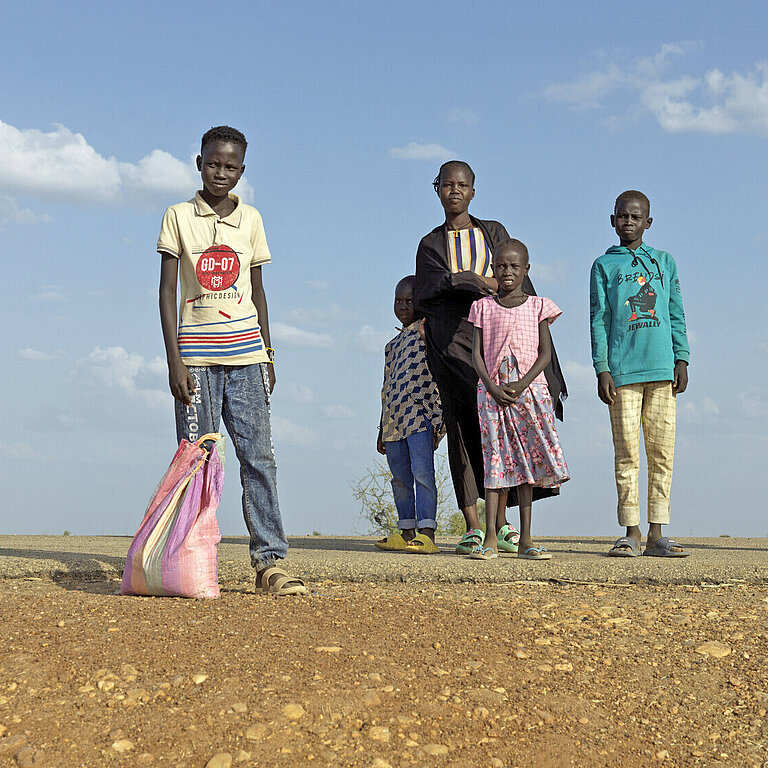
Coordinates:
282 585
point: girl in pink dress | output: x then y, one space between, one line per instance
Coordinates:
512 346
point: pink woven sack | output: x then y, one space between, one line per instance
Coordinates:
174 550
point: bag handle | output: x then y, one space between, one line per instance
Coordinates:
214 436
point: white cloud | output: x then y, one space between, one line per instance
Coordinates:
315 316
58 164
372 341
125 372
318 285
288 433
416 151
299 393
762 345
712 102
296 337
552 273
61 165
588 91
36 355
580 378
243 189
338 412
12 213
16 451
705 409
594 88
158 175
49 293
753 403
466 117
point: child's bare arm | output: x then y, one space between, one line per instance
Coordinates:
680 384
260 302
497 393
179 379
516 388
606 390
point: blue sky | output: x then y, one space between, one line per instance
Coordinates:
349 109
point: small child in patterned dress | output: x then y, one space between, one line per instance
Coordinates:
511 348
410 429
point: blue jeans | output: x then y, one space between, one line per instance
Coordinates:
240 393
412 463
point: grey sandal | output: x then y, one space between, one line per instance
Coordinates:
663 548
625 541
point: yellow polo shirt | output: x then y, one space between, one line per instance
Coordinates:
218 322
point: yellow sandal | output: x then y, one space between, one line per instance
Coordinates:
393 543
421 545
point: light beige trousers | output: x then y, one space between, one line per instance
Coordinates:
652 405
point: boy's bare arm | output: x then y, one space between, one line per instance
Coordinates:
179 379
606 390
380 443
260 302
680 384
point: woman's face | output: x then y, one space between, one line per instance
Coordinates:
456 190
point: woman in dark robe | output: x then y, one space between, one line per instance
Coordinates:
453 269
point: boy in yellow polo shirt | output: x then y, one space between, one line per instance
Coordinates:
217 343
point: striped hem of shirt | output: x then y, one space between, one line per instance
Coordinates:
202 340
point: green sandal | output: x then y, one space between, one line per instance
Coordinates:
507 538
471 540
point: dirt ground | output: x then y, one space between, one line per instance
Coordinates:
519 674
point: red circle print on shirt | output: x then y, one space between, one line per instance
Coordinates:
217 268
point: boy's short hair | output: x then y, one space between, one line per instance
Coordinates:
409 280
633 194
223 133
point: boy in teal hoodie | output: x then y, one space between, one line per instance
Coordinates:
640 354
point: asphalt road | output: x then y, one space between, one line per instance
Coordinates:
354 559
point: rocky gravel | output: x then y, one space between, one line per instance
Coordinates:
384 675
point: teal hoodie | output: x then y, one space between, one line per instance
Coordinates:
636 314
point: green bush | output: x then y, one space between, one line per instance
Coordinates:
456 526
373 492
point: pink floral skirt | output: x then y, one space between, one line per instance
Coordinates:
520 444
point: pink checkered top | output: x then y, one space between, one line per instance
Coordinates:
512 330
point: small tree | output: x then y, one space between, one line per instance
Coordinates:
457 526
373 491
